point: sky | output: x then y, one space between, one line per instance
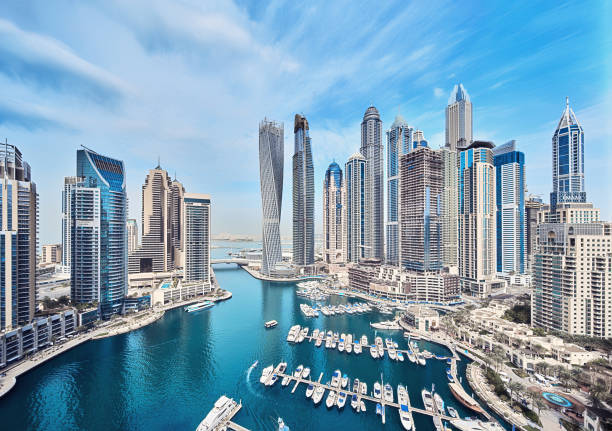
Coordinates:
189 82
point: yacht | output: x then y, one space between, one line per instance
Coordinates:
341 343
427 400
272 380
437 421
345 380
265 374
355 402
309 390
286 380
379 410
315 334
364 340
388 393
328 339
349 343
293 333
305 373
377 388
341 400
374 351
221 410
363 388
411 356
303 334
357 348
362 406
404 411
319 340
420 358
317 396
199 306
475 425
452 412
282 367
356 385
379 346
281 425
298 371
439 403
400 356
331 399
335 381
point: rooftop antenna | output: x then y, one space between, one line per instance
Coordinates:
158 163
566 100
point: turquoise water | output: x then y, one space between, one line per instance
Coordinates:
167 375
556 399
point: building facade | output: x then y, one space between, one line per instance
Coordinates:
196 224
334 231
18 239
160 248
450 208
51 254
533 205
510 198
477 207
69 184
568 160
572 279
99 237
421 189
458 133
303 194
132 235
372 151
271 155
355 192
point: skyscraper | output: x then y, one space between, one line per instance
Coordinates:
271 153
533 204
303 195
568 160
450 208
69 185
510 198
421 188
401 139
372 150
196 225
334 231
477 240
355 185
458 119
99 236
18 239
132 235
160 247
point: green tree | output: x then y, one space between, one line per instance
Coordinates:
597 393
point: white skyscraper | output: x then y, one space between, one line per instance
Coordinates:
450 232
334 232
69 184
458 119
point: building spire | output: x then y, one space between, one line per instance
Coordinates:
567 101
158 163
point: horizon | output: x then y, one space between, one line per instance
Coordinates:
142 87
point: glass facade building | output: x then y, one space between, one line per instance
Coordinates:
334 235
356 227
303 195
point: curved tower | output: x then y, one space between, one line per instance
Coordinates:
271 151
303 195
333 215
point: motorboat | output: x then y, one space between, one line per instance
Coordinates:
272 380
310 390
331 399
282 367
404 412
294 333
199 306
319 341
349 344
315 334
437 421
374 351
335 381
341 400
439 403
379 410
270 324
306 373
341 343
286 380
388 393
452 412
265 374
449 375
317 396
377 388
357 348
298 371
362 406
303 334
400 356
344 381
363 388
475 425
355 402
411 356
420 359
281 425
356 385
364 340
427 400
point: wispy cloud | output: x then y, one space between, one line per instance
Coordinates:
32 118
438 92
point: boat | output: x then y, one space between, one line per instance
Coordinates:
400 356
388 393
272 381
331 399
475 425
364 340
221 410
265 374
356 385
452 412
355 402
374 351
449 375
363 388
303 334
411 356
306 373
463 397
341 343
377 393
341 400
319 341
335 381
286 380
270 324
357 348
439 403
404 412
317 396
420 359
315 334
309 390
390 325
198 306
344 381
293 333
378 409
298 371
254 364
437 421
362 406
427 400
281 425
349 343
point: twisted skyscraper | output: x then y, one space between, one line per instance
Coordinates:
271 151
303 195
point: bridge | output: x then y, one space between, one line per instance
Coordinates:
230 260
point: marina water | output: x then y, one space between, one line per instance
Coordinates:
167 375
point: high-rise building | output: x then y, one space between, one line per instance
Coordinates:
477 240
372 151
458 119
271 155
334 231
510 198
196 226
355 186
99 237
69 185
303 195
176 216
401 139
450 208
568 160
132 235
160 247
421 188
51 254
533 205
18 239
572 279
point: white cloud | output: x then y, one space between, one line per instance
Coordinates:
438 92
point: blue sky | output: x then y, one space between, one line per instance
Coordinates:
189 82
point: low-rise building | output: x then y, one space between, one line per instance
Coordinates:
422 318
597 419
51 254
178 290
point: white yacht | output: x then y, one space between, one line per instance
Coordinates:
388 393
404 411
335 381
364 340
331 399
282 367
452 412
344 381
357 348
306 373
475 425
309 390
363 388
317 396
298 371
303 334
286 380
349 343
221 410
356 385
315 334
420 358
293 333
341 400
265 374
374 351
427 400
341 343
355 402
439 403
400 356
377 393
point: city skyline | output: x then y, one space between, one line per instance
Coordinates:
65 88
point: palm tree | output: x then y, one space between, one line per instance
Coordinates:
596 394
513 387
543 366
540 404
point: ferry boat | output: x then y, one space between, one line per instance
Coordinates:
317 396
427 400
331 399
270 324
220 412
199 306
404 412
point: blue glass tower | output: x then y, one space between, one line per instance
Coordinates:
99 240
568 160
